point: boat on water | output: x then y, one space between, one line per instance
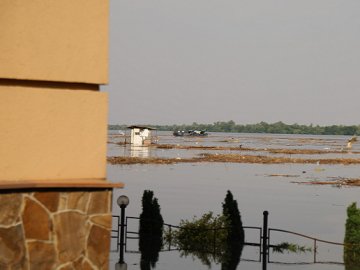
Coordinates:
193 133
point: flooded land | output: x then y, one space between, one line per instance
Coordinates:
233 158
334 152
306 182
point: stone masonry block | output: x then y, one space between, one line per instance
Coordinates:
37 222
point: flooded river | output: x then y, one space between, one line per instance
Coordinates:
185 190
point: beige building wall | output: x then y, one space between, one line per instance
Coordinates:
53 120
52 134
63 40
55 201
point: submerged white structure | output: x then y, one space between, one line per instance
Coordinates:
140 135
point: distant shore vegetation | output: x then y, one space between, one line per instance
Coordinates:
262 127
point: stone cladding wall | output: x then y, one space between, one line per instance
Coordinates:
57 230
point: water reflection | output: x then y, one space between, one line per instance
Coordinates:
139 151
232 255
352 267
228 255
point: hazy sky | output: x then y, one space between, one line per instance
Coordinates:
184 61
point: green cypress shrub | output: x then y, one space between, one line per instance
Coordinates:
235 237
232 214
150 230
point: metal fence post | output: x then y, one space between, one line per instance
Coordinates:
264 240
214 243
170 237
122 226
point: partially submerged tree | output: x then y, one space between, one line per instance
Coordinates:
202 237
352 238
210 238
150 230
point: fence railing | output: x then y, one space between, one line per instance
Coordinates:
314 247
263 242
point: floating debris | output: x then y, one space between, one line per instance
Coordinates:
282 175
231 158
242 148
338 182
351 141
231 140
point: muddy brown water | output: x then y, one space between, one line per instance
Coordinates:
189 189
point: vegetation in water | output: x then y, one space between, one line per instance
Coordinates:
150 231
202 237
262 127
291 247
352 238
211 238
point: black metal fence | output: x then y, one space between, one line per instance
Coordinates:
263 242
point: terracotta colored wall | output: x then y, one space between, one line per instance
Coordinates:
46 230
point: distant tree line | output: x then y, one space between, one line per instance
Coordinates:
262 127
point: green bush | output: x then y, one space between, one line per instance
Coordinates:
201 234
211 238
352 238
202 237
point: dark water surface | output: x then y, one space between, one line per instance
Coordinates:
186 190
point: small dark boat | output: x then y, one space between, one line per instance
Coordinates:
179 133
193 133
